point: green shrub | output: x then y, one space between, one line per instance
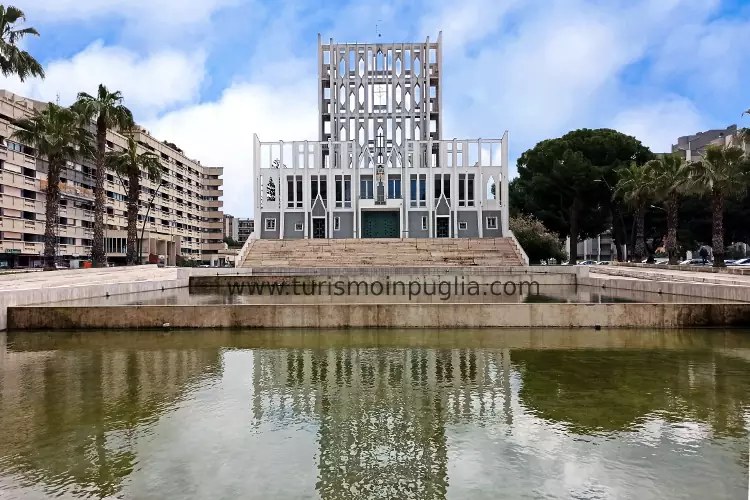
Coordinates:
537 241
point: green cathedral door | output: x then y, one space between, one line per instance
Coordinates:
380 225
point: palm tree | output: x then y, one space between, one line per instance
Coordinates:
108 112
57 135
669 176
130 166
720 174
14 61
635 186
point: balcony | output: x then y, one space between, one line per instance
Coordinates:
213 182
214 204
17 247
212 246
213 225
213 192
67 190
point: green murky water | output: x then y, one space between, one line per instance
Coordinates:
417 414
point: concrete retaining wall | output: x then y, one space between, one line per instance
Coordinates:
382 316
744 271
709 291
51 294
226 281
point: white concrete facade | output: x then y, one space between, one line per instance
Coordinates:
380 167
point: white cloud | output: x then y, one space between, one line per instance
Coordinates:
659 124
149 84
162 12
554 66
221 133
468 23
709 57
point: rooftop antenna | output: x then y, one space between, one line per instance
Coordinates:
58 99
377 31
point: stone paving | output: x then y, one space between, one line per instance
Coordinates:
82 277
657 274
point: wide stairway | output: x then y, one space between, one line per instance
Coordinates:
383 252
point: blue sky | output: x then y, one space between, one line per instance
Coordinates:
207 74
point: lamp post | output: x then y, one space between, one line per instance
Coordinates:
143 229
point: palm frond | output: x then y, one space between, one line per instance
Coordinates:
105 106
635 185
13 60
720 169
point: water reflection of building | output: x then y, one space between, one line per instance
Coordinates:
382 413
70 419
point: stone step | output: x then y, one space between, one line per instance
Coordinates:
383 253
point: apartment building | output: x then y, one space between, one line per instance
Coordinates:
691 147
179 214
245 228
231 229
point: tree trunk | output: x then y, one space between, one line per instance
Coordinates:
50 215
617 232
673 219
98 255
640 244
717 239
575 210
134 189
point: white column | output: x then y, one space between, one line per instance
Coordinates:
405 187
306 184
481 193
355 186
430 191
256 183
504 186
280 190
454 189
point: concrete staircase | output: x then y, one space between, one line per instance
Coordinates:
383 252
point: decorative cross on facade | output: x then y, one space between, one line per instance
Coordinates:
379 93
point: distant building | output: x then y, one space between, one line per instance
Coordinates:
245 228
231 228
599 248
692 146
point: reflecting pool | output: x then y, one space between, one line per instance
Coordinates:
375 414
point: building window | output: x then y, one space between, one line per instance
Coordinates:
491 222
271 224
418 190
365 189
298 226
394 188
344 191
462 226
337 223
466 190
424 223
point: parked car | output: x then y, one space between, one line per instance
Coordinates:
739 262
588 263
603 263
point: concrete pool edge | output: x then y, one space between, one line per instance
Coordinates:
405 315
